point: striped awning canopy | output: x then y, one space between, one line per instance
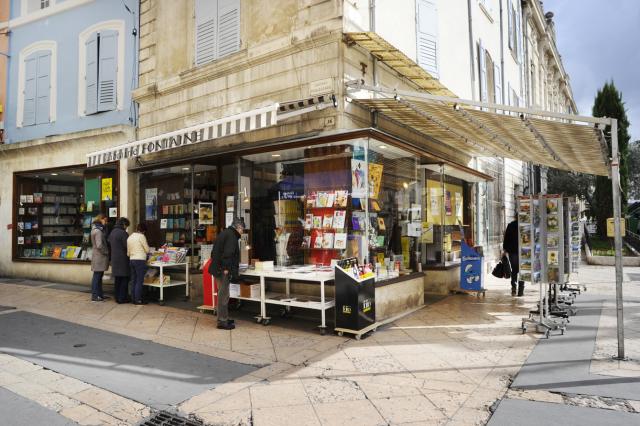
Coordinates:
561 141
230 125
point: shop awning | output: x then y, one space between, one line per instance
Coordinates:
231 125
388 54
563 141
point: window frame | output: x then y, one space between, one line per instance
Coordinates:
114 25
43 45
24 7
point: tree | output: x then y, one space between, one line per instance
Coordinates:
633 161
608 103
570 184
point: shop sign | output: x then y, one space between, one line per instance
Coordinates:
470 269
107 189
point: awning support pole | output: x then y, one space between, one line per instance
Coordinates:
615 182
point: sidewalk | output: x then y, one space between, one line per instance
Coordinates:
448 363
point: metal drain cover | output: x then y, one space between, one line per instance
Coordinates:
163 418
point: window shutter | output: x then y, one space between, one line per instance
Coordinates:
43 87
510 23
483 72
427 36
91 76
206 31
29 106
107 70
518 34
228 27
497 76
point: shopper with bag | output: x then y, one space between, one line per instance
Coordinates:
510 247
137 249
99 257
120 268
225 268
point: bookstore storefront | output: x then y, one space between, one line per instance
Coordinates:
54 209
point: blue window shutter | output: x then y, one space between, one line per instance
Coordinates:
91 76
43 87
107 70
29 107
206 31
427 36
228 27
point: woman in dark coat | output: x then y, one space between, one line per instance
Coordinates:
119 260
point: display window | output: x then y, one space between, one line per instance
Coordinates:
54 210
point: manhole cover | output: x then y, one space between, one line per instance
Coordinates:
163 418
79 345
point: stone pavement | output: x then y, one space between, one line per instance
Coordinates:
447 363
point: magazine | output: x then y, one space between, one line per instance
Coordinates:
327 240
340 240
327 221
339 217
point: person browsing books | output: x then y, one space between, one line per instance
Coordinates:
137 250
99 257
225 268
120 268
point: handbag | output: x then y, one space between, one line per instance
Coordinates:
502 269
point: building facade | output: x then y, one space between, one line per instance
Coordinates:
72 66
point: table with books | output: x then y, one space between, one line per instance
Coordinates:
321 275
170 257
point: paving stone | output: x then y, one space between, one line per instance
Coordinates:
408 409
332 390
278 395
296 415
347 413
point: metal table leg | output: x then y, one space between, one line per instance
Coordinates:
323 326
161 285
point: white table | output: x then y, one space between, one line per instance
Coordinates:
287 300
161 285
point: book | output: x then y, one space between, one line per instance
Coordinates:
311 199
341 198
317 222
317 242
20 226
163 223
37 197
339 217
27 225
34 225
308 221
323 198
169 237
375 206
327 240
355 202
306 242
33 211
170 223
23 199
331 197
165 209
71 252
340 240
29 198
380 241
63 253
381 225
21 211
327 222
355 223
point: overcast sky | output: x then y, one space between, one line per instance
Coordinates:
599 41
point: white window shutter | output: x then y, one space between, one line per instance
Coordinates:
43 87
497 83
427 36
29 104
518 34
483 72
206 31
91 74
510 23
228 27
107 70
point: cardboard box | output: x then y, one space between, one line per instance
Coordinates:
250 290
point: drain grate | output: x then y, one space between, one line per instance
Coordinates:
164 418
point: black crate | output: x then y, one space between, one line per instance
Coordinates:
355 301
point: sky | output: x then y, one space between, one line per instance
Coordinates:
599 40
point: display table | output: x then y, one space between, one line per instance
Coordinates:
287 299
161 285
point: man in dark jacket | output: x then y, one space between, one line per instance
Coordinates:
510 246
119 260
224 267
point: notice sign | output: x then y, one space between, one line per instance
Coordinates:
107 189
611 229
470 269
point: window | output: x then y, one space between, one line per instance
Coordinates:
44 4
427 36
217 29
100 68
54 210
37 84
515 31
31 6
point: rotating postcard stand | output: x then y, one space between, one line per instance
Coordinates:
572 246
355 301
533 223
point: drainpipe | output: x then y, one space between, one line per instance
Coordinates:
471 50
372 28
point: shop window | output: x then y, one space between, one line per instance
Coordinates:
55 209
314 205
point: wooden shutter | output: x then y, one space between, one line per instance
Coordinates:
483 72
206 30
228 27
29 104
43 87
427 36
107 70
91 76
497 79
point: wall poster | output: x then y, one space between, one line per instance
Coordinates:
151 203
358 179
205 213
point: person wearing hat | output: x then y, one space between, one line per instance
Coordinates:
225 263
